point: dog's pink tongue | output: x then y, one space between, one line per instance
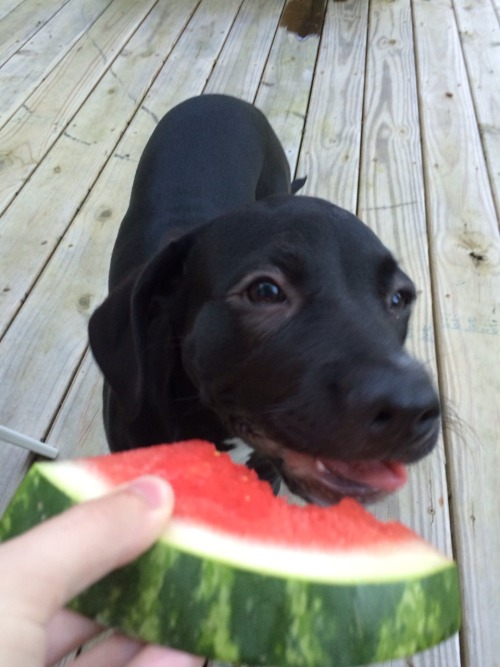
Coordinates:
384 475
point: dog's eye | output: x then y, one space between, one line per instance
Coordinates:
399 300
264 290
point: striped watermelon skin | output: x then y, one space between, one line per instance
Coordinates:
210 608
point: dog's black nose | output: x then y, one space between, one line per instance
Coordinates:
397 408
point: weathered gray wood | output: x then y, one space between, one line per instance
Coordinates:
45 114
413 148
465 261
239 66
285 88
31 63
30 232
330 151
479 32
19 21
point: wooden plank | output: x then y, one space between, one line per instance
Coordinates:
47 340
331 147
24 20
35 127
8 6
78 429
285 88
25 70
391 201
465 256
239 67
48 337
480 36
257 41
30 233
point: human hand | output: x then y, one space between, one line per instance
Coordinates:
45 568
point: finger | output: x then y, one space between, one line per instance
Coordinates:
121 651
64 555
156 656
66 632
113 651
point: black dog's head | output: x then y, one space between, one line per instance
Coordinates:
285 323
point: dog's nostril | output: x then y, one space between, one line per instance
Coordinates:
427 416
425 422
382 419
391 417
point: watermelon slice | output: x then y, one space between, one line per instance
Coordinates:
243 576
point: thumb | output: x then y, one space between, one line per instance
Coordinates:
66 554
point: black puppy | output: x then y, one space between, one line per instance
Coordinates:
238 309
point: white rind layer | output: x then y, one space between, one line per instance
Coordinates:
385 562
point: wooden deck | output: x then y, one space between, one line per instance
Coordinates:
392 109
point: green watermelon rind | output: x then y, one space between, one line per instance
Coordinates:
218 610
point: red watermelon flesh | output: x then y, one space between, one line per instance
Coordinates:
237 502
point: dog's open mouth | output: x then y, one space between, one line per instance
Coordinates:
322 480
326 481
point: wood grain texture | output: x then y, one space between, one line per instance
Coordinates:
8 7
240 64
31 232
465 261
480 38
285 87
331 146
31 63
78 429
21 20
46 113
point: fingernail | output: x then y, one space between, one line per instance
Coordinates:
155 491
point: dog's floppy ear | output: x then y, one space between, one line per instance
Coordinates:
118 329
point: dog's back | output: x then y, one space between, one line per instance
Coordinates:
207 156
